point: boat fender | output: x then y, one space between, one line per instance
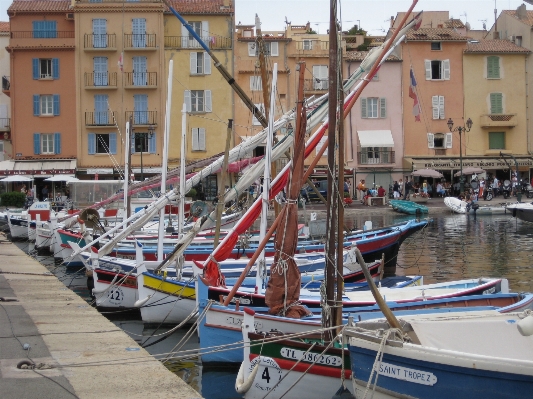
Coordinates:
242 386
139 303
525 326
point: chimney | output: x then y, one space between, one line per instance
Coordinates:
521 12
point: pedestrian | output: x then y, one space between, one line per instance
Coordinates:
425 186
44 193
23 189
400 184
361 189
381 192
481 188
396 190
408 188
495 186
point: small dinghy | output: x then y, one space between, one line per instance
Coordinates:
409 207
459 206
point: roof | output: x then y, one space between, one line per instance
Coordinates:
454 23
528 16
202 6
39 5
494 46
360 56
432 34
4 26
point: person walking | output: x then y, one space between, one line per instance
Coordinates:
408 188
44 193
396 190
400 184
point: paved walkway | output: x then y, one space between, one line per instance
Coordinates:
89 356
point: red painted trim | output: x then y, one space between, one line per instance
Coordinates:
316 369
70 233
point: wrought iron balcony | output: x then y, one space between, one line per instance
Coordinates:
316 84
498 120
100 119
100 80
142 118
214 42
375 157
100 42
140 41
135 80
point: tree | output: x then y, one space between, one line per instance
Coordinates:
355 30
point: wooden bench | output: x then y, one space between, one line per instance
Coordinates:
376 201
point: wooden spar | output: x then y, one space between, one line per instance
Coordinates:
329 318
127 170
393 321
340 206
222 188
218 65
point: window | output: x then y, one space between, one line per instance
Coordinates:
102 143
437 69
518 41
440 140
437 103
101 116
320 77
373 107
99 33
139 32
140 109
45 104
44 29
496 103
261 108
100 71
436 46
200 63
493 67
47 143
45 68
271 48
307 44
139 71
198 139
255 83
140 142
496 140
198 100
201 28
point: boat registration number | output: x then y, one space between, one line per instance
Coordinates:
407 374
309 357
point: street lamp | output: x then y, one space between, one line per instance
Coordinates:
149 135
460 129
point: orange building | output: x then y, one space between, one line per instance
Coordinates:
42 88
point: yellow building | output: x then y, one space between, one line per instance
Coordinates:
495 100
120 74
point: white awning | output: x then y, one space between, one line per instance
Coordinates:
375 138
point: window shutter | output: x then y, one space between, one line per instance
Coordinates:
252 47
201 139
449 140
274 49
194 65
496 103
55 68
441 107
435 106
35 64
132 143
91 144
195 139
56 104
57 143
184 36
36 110
151 144
208 103
187 100
446 69
207 64
36 143
363 108
493 67
427 64
205 31
431 140
112 143
382 108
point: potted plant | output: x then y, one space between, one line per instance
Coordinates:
347 199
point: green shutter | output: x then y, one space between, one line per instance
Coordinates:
493 67
496 140
496 103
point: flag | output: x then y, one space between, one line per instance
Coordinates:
412 94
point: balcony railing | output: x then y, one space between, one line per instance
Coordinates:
312 45
140 41
102 80
316 84
375 157
67 34
142 117
100 118
214 42
140 79
96 41
6 84
498 120
5 124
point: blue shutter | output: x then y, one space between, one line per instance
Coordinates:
36 29
55 68
35 63
100 109
36 143
36 98
140 104
100 71
57 143
91 143
56 104
112 143
139 71
99 33
51 29
133 143
151 144
139 32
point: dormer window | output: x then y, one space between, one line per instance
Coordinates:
437 46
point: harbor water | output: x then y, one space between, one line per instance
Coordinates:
451 247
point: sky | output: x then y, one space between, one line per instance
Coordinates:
372 15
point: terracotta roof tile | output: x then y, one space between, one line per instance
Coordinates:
360 56
528 20
4 26
38 5
201 6
431 34
494 46
454 23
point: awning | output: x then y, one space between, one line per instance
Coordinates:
375 138
46 168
